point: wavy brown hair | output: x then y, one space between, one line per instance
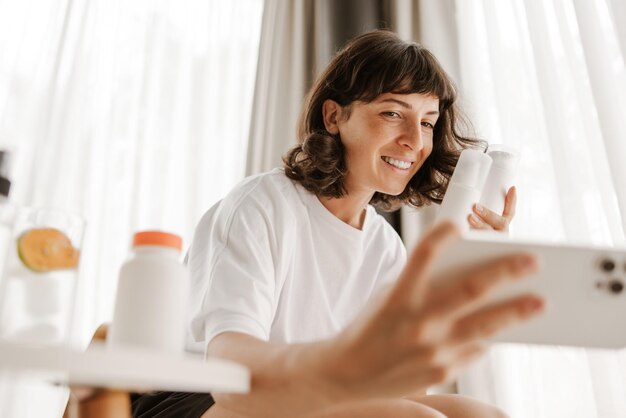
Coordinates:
369 65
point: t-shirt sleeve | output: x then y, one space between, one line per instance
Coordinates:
233 274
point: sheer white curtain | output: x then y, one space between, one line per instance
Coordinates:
548 77
134 114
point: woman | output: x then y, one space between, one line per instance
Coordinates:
297 277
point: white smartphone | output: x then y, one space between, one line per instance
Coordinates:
584 289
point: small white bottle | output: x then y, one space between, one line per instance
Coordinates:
501 177
150 305
465 187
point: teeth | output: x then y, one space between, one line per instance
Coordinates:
397 163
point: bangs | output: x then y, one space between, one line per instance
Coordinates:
406 69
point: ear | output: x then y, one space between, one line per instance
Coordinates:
331 112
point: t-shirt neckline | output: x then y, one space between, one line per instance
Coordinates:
314 203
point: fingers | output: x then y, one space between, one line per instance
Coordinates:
510 202
477 223
483 218
470 350
411 285
473 288
466 354
452 353
448 361
493 319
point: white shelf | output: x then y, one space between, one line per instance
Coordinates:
125 368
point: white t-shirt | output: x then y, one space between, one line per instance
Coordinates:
271 261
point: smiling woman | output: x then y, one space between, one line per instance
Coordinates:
298 278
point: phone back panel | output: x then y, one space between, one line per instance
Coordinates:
585 298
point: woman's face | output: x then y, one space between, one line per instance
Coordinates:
386 141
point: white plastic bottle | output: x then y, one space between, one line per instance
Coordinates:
501 177
150 305
465 187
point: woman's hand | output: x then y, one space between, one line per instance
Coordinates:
483 218
417 334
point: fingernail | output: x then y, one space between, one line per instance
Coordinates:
474 219
479 208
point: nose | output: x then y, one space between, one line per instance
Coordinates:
413 137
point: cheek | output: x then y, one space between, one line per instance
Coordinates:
361 147
356 155
424 154
428 147
374 131
359 157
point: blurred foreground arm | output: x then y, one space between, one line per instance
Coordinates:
414 336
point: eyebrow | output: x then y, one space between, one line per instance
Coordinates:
408 106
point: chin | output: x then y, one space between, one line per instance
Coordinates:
393 192
391 188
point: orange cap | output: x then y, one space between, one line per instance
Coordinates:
164 239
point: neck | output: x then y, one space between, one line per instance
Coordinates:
350 208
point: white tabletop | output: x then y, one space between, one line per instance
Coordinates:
125 368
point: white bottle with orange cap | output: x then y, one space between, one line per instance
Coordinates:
152 292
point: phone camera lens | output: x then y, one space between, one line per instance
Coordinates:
607 265
616 286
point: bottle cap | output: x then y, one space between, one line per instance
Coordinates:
163 239
503 156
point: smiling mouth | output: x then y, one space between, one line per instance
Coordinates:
402 165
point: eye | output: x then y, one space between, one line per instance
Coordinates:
391 114
428 125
